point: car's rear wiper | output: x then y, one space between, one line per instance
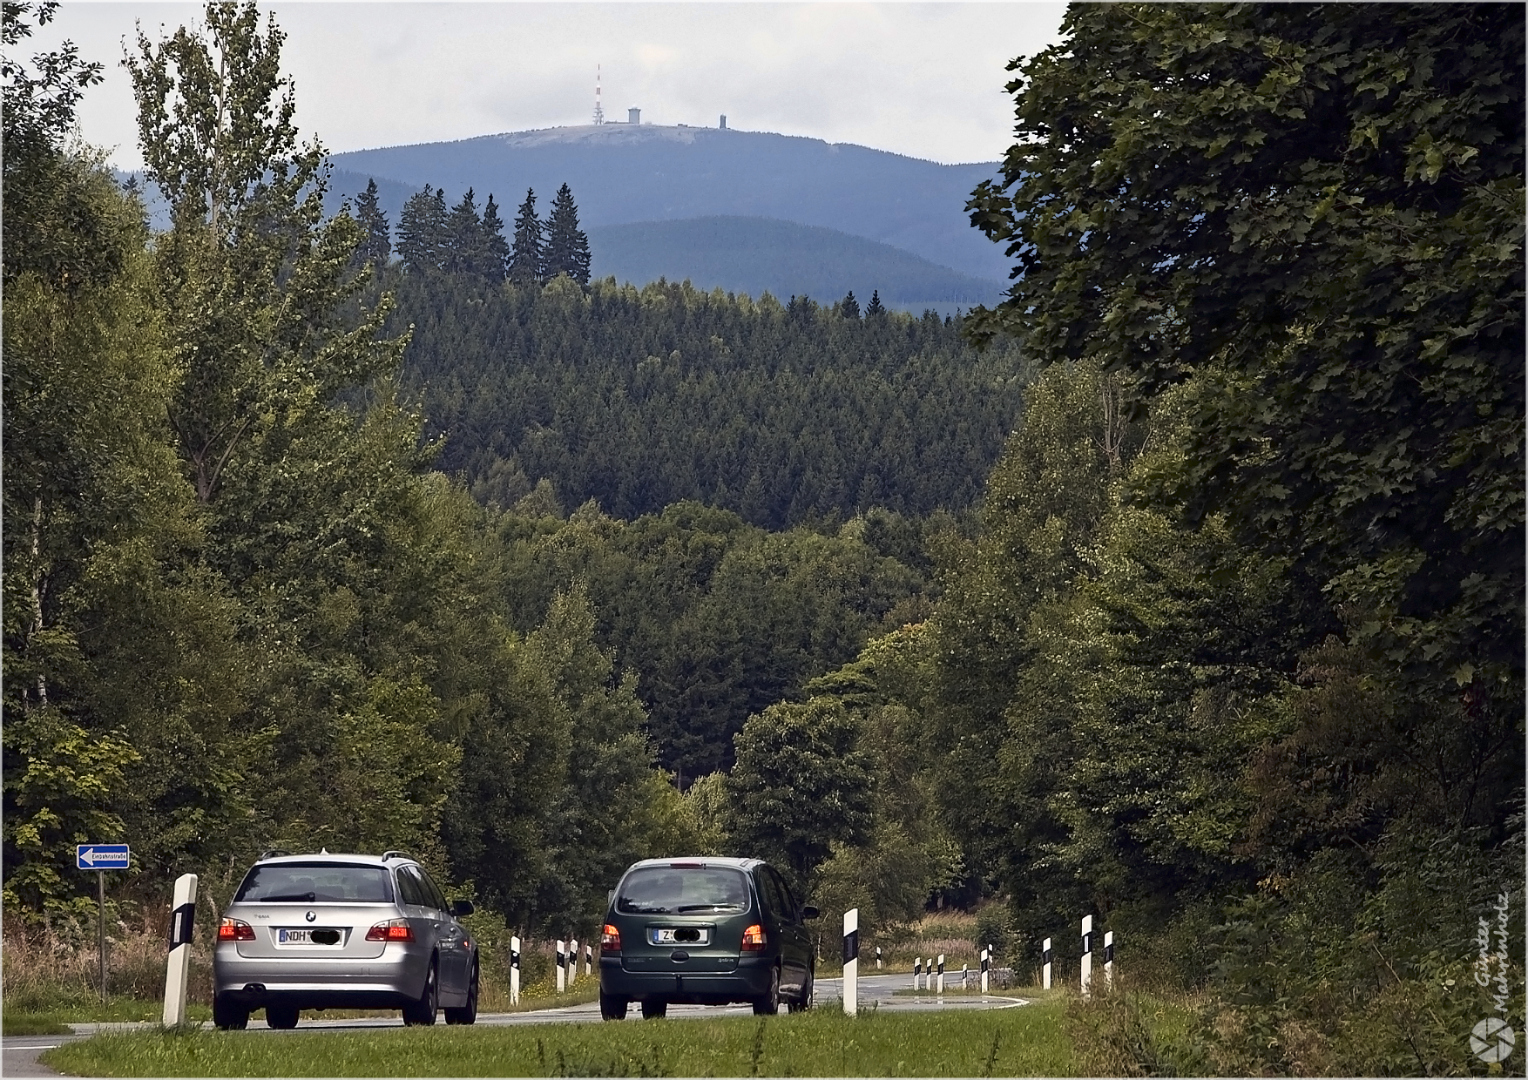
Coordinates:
709 907
306 897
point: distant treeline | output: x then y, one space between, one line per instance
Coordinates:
783 413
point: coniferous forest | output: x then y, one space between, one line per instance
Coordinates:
1184 588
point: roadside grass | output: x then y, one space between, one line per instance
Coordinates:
1030 1040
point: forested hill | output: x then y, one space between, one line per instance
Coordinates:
623 174
752 255
637 399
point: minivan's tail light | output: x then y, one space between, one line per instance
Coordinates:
234 930
753 938
391 930
610 940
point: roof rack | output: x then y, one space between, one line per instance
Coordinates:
395 855
273 853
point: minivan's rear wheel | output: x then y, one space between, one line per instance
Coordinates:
613 1007
654 1008
805 1001
281 1016
769 1004
423 1011
228 1016
467 1014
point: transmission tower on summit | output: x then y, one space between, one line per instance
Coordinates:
599 112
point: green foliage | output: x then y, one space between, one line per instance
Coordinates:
639 399
567 248
527 250
800 783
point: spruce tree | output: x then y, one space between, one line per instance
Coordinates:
377 245
463 236
421 231
875 307
527 255
848 307
493 258
567 248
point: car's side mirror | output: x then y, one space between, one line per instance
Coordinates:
809 912
462 907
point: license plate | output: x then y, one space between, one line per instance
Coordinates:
306 936
681 935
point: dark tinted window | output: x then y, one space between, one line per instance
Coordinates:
790 910
314 883
410 887
770 887
677 890
434 897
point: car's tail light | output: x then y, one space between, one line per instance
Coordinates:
391 930
610 939
753 938
234 930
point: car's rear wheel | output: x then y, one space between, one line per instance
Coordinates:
281 1016
613 1007
422 1012
227 1016
769 1004
805 1001
654 1008
466 1014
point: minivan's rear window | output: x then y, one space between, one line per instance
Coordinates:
315 883
671 890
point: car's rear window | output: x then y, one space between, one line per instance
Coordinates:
315 883
677 890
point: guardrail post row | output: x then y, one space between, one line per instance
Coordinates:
514 971
178 963
1087 955
1045 960
851 962
1109 957
562 965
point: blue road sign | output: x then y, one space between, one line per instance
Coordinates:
100 856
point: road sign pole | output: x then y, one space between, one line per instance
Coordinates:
101 899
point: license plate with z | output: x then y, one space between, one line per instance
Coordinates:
681 935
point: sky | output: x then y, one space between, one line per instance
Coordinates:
924 80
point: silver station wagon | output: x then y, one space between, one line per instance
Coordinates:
342 931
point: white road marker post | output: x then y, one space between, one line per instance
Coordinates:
851 962
1045 959
917 973
588 959
514 971
1087 955
878 958
572 962
1109 958
178 964
965 976
562 965
986 963
941 973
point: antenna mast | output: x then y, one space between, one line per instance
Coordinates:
599 113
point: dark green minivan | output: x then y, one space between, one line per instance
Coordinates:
704 931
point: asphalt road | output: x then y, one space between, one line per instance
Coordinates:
883 993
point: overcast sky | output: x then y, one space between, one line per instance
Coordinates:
919 79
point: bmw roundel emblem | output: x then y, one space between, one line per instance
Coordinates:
311 916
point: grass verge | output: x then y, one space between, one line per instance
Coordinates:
1025 1041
